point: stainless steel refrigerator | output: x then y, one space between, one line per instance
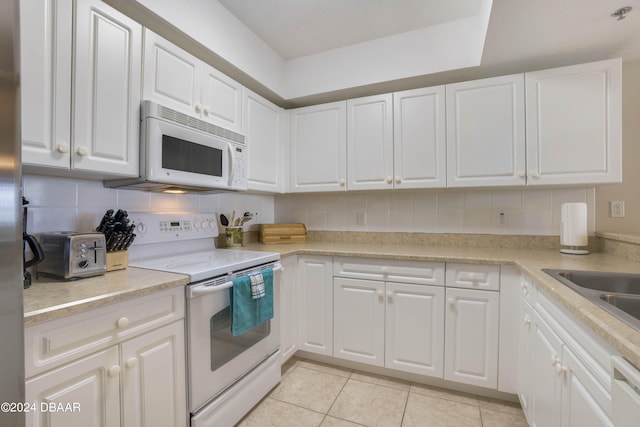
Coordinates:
11 246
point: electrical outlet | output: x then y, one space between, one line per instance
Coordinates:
502 218
617 209
361 218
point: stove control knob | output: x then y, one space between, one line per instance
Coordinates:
212 224
205 225
196 225
141 228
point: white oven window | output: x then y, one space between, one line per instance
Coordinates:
224 346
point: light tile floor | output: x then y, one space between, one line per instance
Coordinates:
315 394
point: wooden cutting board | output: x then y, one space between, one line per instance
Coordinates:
283 233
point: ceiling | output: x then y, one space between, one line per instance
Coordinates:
521 36
298 28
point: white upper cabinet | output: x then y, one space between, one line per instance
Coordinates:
106 110
419 138
370 142
319 148
80 95
46 81
574 124
179 80
485 132
263 129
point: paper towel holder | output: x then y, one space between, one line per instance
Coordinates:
573 228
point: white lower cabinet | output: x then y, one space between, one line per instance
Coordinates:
471 337
315 304
127 369
564 371
288 307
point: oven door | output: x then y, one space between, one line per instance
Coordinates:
217 359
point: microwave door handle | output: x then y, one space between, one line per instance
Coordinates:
198 291
232 157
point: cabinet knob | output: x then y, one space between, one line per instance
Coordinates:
122 322
560 369
474 278
342 182
555 360
62 148
380 294
451 302
206 111
398 180
131 362
198 108
82 151
389 180
522 174
534 174
527 320
113 371
389 296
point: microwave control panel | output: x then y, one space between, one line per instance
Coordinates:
239 167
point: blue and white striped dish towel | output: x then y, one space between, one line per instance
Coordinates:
257 285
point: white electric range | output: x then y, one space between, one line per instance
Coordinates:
227 374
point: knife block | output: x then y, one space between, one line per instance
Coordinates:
118 260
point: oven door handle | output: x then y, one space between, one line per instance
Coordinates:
198 291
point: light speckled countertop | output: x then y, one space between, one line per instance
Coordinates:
47 300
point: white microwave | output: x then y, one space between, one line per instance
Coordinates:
180 153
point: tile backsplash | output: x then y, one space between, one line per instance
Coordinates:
57 204
75 204
525 211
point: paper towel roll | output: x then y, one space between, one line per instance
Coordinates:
573 226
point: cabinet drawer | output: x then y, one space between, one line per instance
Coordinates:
54 343
473 276
416 272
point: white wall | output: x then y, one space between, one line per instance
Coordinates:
59 204
528 211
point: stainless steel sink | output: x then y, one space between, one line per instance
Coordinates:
601 280
617 293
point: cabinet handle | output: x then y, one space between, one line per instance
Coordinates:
389 296
131 362
534 175
389 180
473 277
398 180
560 369
198 108
122 322
451 302
62 148
206 111
380 294
82 151
527 321
113 371
522 174
342 182
555 360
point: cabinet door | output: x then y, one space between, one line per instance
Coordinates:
45 56
414 338
315 304
545 385
471 337
485 132
288 308
525 372
319 148
419 138
582 395
264 138
106 115
221 99
370 142
358 333
171 75
153 378
87 391
574 130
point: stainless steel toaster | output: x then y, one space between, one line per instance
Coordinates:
72 254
